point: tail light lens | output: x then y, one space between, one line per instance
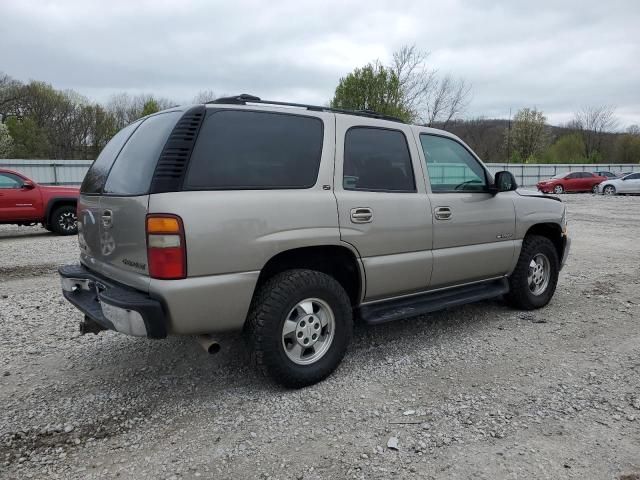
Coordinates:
166 249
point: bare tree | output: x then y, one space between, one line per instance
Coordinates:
431 98
204 96
592 123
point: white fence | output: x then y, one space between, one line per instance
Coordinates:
71 172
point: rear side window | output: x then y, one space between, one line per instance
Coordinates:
377 159
133 169
255 150
97 174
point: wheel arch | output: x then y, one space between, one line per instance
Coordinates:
553 232
337 261
56 202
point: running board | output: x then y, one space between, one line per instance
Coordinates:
415 305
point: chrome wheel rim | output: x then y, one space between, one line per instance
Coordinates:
558 189
539 274
594 189
609 190
67 221
308 331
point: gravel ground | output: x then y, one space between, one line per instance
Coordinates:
479 392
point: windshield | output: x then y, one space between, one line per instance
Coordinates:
560 175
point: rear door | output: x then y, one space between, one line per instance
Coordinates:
473 230
383 208
115 198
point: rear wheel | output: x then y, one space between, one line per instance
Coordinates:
533 282
299 327
558 189
609 190
64 220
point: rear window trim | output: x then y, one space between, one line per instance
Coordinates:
140 121
186 188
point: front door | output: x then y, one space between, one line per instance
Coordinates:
473 230
383 209
18 202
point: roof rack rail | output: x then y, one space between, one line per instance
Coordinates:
245 98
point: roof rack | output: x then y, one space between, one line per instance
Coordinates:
245 98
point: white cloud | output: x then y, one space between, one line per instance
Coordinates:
554 55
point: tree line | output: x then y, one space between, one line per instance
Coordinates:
38 121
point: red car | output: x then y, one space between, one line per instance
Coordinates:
571 182
24 202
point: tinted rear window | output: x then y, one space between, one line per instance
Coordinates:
132 172
255 150
377 159
97 174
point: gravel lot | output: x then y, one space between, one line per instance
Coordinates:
479 392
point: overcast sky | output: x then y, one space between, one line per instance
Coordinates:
554 55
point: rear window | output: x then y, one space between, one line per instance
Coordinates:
97 174
255 150
133 169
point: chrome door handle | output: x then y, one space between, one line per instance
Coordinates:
361 215
442 213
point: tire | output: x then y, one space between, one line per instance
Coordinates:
558 189
522 293
63 220
594 189
609 190
278 302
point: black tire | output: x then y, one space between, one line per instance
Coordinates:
559 188
609 190
520 294
61 218
594 189
269 310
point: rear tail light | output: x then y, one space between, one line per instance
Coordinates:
166 249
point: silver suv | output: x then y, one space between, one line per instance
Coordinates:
291 221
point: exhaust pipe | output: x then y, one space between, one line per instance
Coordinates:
209 344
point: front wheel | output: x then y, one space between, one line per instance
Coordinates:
299 327
534 280
594 189
558 189
609 190
64 220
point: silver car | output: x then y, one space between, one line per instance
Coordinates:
629 183
288 222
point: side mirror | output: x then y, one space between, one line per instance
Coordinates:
28 185
504 182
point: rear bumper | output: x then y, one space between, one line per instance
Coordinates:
113 305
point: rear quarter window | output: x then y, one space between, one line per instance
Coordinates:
243 150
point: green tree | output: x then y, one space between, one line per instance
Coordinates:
372 87
627 148
566 149
528 136
6 142
29 140
150 106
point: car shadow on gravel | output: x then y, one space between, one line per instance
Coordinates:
180 360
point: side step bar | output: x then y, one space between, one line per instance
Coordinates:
406 307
